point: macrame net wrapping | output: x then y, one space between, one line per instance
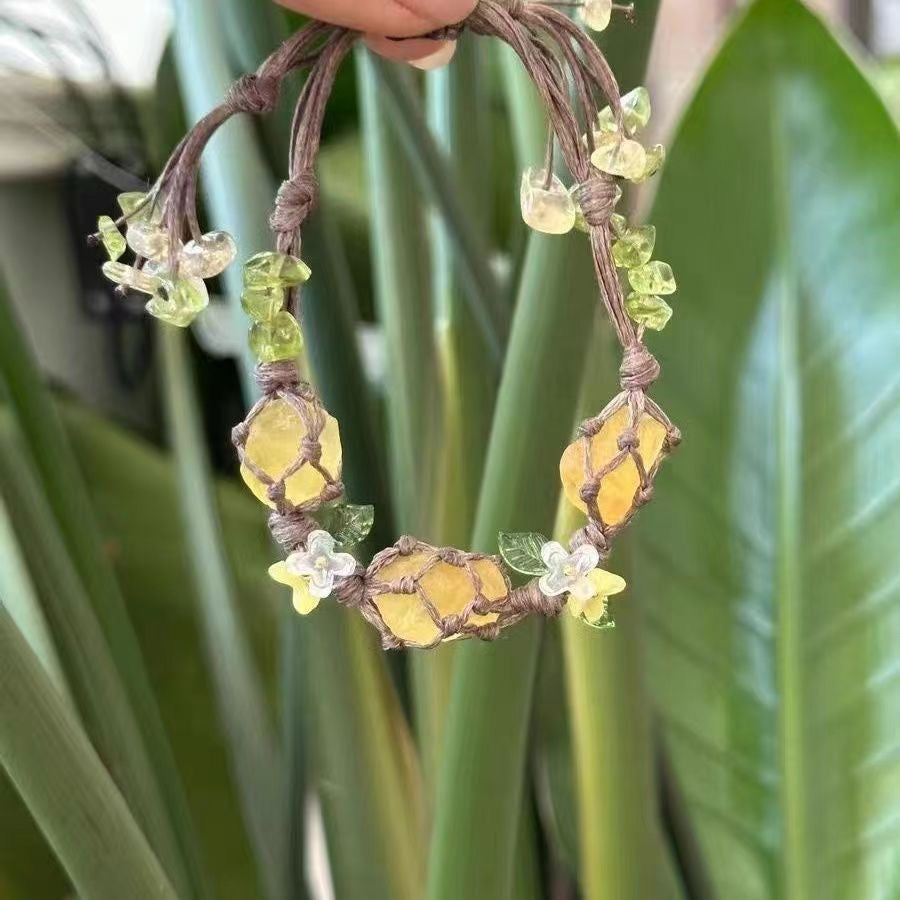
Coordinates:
573 79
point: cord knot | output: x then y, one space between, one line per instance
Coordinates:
639 368
295 200
275 375
598 197
311 450
256 94
292 529
407 545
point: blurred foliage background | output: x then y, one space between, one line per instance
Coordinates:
169 728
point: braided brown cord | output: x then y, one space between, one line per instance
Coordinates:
560 58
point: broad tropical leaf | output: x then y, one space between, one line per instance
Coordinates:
768 561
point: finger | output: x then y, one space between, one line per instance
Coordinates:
421 53
397 18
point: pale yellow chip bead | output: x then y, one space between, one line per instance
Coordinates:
448 588
273 445
618 487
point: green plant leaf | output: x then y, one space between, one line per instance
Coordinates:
768 558
521 551
65 785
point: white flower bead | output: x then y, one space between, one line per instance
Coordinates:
568 572
320 564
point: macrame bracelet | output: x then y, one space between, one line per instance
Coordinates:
289 446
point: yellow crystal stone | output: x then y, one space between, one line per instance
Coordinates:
618 487
273 445
547 206
449 588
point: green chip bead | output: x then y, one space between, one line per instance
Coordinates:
634 247
111 238
653 278
135 205
262 304
619 156
278 270
278 339
635 113
656 156
178 302
619 224
649 311
129 277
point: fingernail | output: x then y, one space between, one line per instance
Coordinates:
437 59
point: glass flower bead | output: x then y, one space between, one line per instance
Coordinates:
148 240
277 339
303 600
567 572
619 156
635 113
178 302
111 238
207 256
656 157
619 486
274 444
320 564
647 310
130 277
262 304
603 586
652 278
270 269
546 207
634 247
596 14
450 589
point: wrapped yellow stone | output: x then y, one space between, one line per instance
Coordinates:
274 446
618 487
449 587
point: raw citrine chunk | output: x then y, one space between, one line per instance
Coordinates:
634 247
450 589
653 278
274 444
656 156
277 339
619 486
262 304
619 156
270 269
635 112
129 277
596 14
208 256
178 302
649 311
111 237
546 204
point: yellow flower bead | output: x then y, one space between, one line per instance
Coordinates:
618 487
593 609
449 588
303 600
274 444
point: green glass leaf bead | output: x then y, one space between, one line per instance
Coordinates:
649 311
619 156
129 277
596 14
111 238
653 278
278 270
208 256
179 302
262 304
277 339
634 247
635 113
618 223
656 156
547 206
148 240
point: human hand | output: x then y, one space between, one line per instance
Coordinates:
384 19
